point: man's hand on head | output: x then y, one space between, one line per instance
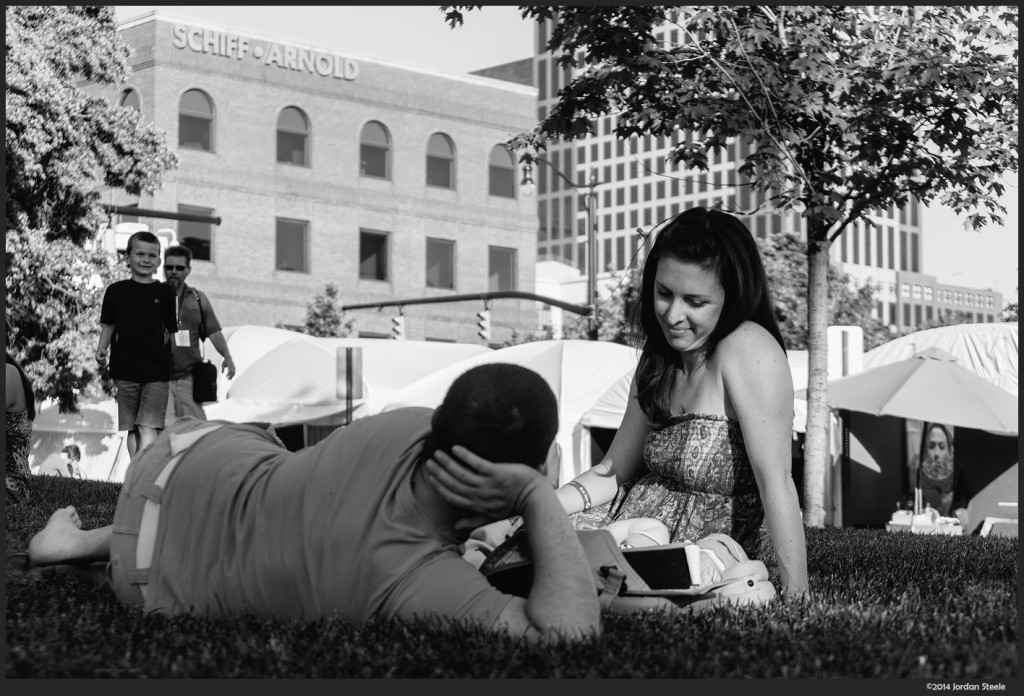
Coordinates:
471 482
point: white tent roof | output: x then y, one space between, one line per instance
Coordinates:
285 377
609 408
578 371
988 350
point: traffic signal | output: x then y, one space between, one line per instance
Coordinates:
398 327
483 324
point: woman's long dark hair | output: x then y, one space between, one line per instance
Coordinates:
30 397
717 242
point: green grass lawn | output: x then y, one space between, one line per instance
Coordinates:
884 605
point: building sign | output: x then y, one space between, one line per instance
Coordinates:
228 45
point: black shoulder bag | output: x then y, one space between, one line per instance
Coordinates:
204 373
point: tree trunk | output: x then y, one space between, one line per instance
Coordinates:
816 445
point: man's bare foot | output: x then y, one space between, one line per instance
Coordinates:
59 541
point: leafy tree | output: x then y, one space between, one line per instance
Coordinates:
612 313
63 145
1009 312
518 337
785 260
847 110
54 290
945 318
324 316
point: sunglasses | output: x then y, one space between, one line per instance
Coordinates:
169 267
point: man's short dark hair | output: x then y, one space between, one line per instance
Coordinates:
180 250
74 452
499 411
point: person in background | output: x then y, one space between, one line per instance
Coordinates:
64 463
21 411
362 524
196 322
137 321
941 485
704 445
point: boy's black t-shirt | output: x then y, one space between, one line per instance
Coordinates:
140 351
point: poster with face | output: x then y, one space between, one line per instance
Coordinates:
935 473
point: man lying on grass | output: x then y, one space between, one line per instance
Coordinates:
216 518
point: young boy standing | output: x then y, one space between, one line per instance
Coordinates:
137 319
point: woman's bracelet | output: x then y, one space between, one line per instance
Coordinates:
584 492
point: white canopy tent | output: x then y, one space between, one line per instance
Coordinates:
285 377
988 350
93 429
608 409
578 371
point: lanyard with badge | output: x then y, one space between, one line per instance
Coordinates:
182 339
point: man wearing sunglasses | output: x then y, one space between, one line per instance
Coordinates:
196 322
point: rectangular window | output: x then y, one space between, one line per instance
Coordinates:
903 249
906 315
292 245
856 244
620 196
542 79
373 255
634 219
197 236
867 247
556 226
502 181
620 148
373 161
567 215
892 313
914 266
620 221
291 147
892 250
542 219
501 269
917 315
928 313
647 192
879 237
620 253
440 263
439 172
607 260
194 132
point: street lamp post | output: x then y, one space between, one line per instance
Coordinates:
590 198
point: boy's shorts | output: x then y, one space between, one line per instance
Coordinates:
141 403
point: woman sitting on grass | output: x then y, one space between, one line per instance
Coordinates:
704 445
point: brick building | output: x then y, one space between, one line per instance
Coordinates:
389 181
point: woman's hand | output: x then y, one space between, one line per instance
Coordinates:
491 490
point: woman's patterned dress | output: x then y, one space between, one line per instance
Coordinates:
18 437
698 481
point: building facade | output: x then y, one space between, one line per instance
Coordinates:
388 181
638 190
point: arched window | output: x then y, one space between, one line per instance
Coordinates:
440 161
131 98
502 172
292 137
375 151
195 121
